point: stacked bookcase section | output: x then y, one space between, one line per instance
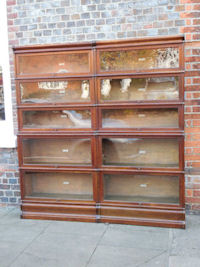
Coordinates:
101 131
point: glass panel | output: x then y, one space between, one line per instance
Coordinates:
55 91
141 152
141 188
2 111
60 63
57 151
139 59
59 185
57 119
144 118
162 88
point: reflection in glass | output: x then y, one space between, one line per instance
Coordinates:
141 152
57 151
139 59
60 63
162 88
57 119
55 91
144 118
2 111
141 188
74 186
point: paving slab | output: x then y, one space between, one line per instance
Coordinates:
9 251
80 228
181 261
56 249
69 240
30 243
135 239
124 227
30 260
5 210
107 256
18 233
186 243
161 260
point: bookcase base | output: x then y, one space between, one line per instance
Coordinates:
105 214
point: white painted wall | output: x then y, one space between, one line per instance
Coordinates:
7 138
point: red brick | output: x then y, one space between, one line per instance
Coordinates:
192 157
196 150
188 109
196 123
188 150
196 109
192 45
148 26
196 137
192 73
192 200
189 1
179 7
190 29
188 36
189 192
196 80
196 7
192 88
196 22
196 193
196 186
188 138
188 52
192 116
192 144
190 15
195 164
14 42
196 52
10 22
192 130
188 21
192 59
188 7
13 29
163 17
196 95
196 180
12 16
188 66
195 207
11 2
188 95
196 66
196 36
188 81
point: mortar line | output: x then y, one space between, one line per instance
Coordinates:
146 261
97 245
28 245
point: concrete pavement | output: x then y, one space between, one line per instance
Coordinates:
35 243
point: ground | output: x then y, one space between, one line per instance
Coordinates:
35 243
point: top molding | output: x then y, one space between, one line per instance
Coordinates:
100 44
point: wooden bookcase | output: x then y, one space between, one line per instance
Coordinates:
101 131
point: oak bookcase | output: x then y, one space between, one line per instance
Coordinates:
101 131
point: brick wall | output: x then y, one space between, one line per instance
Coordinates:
9 176
62 21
